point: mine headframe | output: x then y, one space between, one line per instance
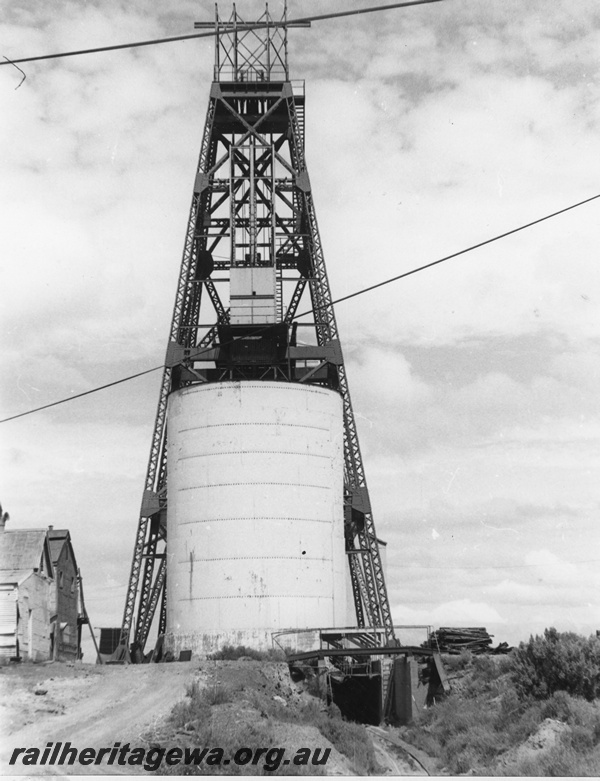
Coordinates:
253 299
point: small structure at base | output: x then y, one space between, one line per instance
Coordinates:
368 680
38 595
66 633
109 642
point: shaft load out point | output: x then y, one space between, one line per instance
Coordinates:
256 515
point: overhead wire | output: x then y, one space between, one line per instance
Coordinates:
19 69
239 28
457 254
388 281
255 26
83 393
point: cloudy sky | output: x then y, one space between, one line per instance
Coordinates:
475 384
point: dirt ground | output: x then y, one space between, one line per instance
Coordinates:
87 705
95 706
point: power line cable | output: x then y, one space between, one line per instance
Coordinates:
455 254
310 311
84 393
239 28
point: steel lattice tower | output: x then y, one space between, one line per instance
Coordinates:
252 207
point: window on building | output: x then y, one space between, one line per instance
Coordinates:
60 579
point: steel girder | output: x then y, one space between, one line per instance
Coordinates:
252 205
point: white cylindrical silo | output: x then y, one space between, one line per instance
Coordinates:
255 513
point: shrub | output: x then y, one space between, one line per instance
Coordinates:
217 694
583 718
463 761
198 702
510 706
475 748
557 662
524 724
233 652
206 726
560 761
349 739
485 668
456 662
504 663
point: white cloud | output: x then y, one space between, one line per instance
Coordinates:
474 383
459 612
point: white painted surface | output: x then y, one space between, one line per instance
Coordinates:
255 520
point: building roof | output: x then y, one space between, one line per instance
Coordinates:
22 549
56 540
14 576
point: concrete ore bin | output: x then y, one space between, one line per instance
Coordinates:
255 513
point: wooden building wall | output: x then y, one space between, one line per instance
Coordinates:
8 622
66 605
33 629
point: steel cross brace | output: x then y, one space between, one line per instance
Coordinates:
156 470
364 560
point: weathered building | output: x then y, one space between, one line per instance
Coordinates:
26 593
65 604
38 595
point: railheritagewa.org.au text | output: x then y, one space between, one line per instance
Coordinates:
60 754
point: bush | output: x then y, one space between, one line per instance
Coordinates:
561 761
524 724
557 662
472 750
486 672
456 662
349 739
233 652
582 716
510 707
206 725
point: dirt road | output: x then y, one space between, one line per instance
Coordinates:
87 705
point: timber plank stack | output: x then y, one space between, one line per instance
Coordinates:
453 640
